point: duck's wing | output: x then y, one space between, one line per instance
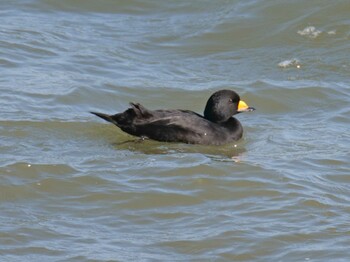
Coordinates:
174 126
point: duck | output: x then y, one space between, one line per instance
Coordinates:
217 126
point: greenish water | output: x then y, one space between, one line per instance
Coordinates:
73 188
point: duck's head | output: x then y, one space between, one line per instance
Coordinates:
223 104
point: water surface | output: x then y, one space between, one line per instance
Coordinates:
73 188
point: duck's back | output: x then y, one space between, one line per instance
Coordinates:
175 126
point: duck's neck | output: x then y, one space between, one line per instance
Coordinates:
235 128
215 118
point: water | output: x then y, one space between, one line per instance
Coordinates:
73 188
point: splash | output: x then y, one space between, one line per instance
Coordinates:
294 62
310 32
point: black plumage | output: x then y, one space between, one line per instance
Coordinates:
216 127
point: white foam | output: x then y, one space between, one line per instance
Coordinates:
310 31
294 62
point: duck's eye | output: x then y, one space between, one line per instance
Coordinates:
230 100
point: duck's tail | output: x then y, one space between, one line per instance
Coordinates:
126 119
106 117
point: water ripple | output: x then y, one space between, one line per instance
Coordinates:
75 188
